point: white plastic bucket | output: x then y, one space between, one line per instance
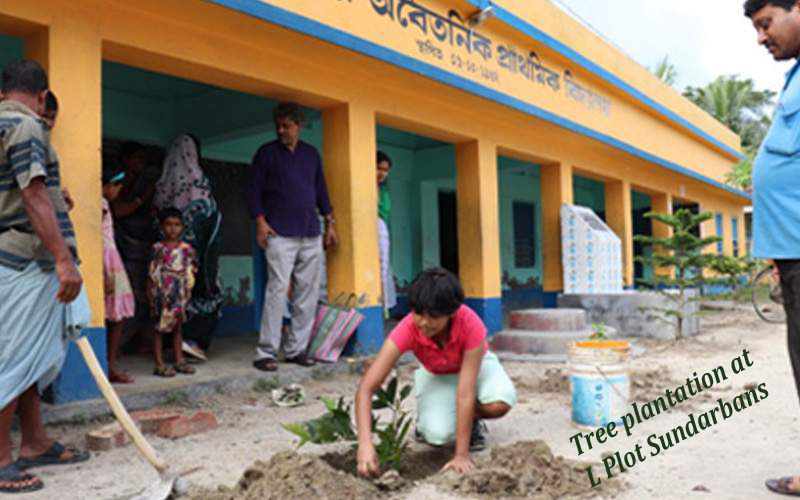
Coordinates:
599 381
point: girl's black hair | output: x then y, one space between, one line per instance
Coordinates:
169 213
50 102
436 292
384 157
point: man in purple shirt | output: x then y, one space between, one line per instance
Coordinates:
287 196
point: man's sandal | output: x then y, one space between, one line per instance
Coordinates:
782 486
184 368
14 480
164 371
54 456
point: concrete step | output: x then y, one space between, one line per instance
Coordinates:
549 320
530 342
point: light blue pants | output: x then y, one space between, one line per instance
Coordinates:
32 327
436 397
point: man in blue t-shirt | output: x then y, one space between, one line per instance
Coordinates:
776 178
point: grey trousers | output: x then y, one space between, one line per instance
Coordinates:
298 260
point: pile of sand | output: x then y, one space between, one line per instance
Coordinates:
526 469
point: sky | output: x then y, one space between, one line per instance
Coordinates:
703 38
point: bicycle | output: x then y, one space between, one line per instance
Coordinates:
767 297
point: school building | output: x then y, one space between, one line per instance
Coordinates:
495 113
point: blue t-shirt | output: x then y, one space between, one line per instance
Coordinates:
776 179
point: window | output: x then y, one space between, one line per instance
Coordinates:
718 221
735 235
524 235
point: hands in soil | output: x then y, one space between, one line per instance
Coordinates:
367 460
459 463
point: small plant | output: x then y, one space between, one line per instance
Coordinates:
392 442
265 385
598 332
336 425
332 426
732 269
682 255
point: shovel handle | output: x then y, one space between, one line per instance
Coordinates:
119 410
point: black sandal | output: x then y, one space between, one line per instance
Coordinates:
184 368
54 456
266 365
782 486
15 480
164 371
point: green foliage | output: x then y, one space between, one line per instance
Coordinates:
732 269
741 174
682 253
736 103
336 425
598 332
332 426
665 71
392 442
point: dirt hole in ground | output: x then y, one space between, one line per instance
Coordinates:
417 464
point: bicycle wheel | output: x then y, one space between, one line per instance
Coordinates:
767 297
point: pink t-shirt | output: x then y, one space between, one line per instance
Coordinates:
466 333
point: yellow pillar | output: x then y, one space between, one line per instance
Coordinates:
556 190
661 203
619 216
478 228
353 266
70 51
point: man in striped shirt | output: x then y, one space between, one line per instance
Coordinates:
38 275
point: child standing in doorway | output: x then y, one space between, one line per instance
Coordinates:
172 274
459 383
119 299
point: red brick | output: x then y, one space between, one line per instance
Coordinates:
106 437
150 420
183 426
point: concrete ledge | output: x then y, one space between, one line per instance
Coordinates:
631 314
548 320
287 374
530 342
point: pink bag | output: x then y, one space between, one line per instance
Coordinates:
334 325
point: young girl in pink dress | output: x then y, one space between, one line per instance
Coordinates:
119 299
172 273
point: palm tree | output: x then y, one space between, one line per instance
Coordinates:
736 104
665 71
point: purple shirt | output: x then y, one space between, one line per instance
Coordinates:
288 188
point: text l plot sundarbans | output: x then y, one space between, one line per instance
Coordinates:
696 424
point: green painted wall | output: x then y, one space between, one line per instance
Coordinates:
154 109
11 48
518 181
589 193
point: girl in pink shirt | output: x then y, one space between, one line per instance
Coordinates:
459 381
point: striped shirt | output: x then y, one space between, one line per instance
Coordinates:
25 154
